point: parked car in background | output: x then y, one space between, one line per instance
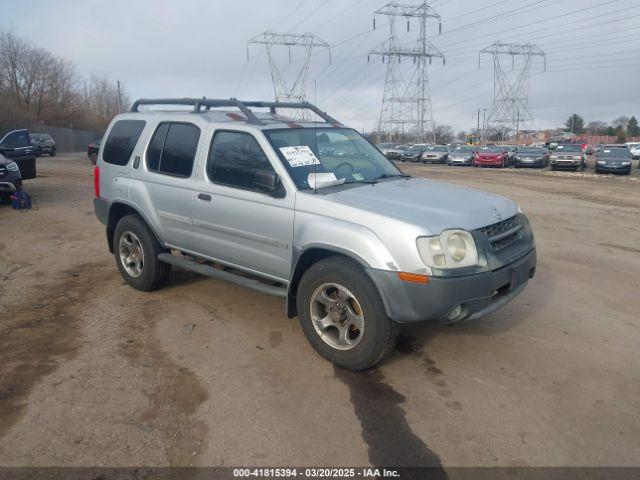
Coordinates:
531 157
16 146
436 154
614 159
385 147
462 155
10 178
511 153
44 143
93 149
568 156
414 152
491 156
634 148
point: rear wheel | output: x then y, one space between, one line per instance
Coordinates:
342 315
136 252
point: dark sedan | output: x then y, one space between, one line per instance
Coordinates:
44 143
10 179
531 157
16 146
414 153
614 159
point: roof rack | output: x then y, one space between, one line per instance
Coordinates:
205 103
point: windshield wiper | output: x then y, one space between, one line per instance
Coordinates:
387 175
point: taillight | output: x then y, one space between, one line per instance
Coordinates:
96 181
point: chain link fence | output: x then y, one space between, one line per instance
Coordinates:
67 139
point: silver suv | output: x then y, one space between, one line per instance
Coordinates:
308 211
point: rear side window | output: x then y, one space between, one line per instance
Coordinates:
234 159
122 140
173 148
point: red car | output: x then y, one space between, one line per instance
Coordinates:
491 157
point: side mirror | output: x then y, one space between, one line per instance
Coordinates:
267 181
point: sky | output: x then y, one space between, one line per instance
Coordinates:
195 48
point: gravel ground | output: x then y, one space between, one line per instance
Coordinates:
205 373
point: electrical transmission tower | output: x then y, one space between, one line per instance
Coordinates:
406 106
294 89
510 113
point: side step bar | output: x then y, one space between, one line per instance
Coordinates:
209 271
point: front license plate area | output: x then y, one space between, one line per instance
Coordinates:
519 275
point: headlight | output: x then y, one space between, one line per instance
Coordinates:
577 157
601 162
451 249
626 163
13 167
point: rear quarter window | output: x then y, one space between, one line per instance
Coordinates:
122 140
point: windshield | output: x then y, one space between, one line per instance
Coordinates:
464 150
491 150
615 152
438 149
339 151
531 151
569 148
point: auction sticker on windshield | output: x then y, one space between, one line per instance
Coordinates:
300 156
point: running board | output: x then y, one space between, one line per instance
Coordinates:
209 271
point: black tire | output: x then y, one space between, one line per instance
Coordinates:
39 152
52 152
380 333
5 197
93 158
154 273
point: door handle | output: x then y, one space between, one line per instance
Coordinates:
204 197
136 163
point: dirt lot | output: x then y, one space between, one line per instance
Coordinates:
206 373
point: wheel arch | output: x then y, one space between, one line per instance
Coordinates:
303 260
119 210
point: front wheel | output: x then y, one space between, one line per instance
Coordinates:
342 315
52 152
136 251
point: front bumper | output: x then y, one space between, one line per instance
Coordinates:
10 182
478 295
434 159
460 161
613 168
566 163
529 163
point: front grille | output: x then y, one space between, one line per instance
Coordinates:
503 234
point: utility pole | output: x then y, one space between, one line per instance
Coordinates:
406 105
119 98
510 109
294 90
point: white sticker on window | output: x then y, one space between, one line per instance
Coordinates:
300 156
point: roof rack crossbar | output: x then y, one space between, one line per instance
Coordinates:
243 106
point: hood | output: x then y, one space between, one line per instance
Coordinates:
434 206
4 161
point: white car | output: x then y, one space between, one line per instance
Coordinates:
634 148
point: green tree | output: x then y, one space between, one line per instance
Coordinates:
633 129
575 124
620 135
610 131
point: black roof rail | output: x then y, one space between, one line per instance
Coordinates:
244 106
